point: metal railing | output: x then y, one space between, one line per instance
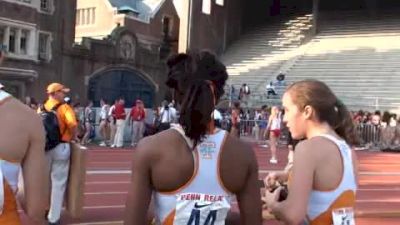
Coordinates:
370 136
257 99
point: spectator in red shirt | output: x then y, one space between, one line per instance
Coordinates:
120 115
136 119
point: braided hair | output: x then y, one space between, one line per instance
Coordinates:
198 79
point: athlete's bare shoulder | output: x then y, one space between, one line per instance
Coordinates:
240 148
315 145
158 143
22 125
237 164
25 114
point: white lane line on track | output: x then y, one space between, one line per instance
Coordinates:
107 193
378 201
108 182
380 173
234 202
125 192
104 207
379 189
107 172
101 172
361 173
92 207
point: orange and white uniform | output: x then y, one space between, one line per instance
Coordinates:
8 185
335 206
204 199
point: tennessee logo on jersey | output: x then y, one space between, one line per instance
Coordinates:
207 149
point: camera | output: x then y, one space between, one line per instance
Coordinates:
284 192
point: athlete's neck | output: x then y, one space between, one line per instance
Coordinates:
211 127
317 129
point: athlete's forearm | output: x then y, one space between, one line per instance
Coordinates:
284 212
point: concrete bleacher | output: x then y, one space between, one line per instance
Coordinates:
257 57
359 60
355 53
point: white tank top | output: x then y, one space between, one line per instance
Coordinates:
276 124
8 171
103 112
204 199
321 204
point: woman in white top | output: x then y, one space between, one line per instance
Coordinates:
322 182
103 127
274 129
22 142
193 170
88 122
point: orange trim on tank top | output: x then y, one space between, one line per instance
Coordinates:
10 161
346 199
219 166
196 168
170 219
10 215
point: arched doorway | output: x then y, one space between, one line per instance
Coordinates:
115 82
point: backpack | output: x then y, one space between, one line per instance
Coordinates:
51 126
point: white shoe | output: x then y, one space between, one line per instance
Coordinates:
273 161
264 146
102 144
113 146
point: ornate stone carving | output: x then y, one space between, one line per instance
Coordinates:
127 47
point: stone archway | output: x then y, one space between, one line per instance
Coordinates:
113 82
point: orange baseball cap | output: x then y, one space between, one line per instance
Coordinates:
54 87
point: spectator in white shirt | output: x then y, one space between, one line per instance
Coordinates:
112 122
167 116
270 89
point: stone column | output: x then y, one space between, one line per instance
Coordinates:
18 42
31 45
7 37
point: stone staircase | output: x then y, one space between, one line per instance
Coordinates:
358 59
258 56
356 54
